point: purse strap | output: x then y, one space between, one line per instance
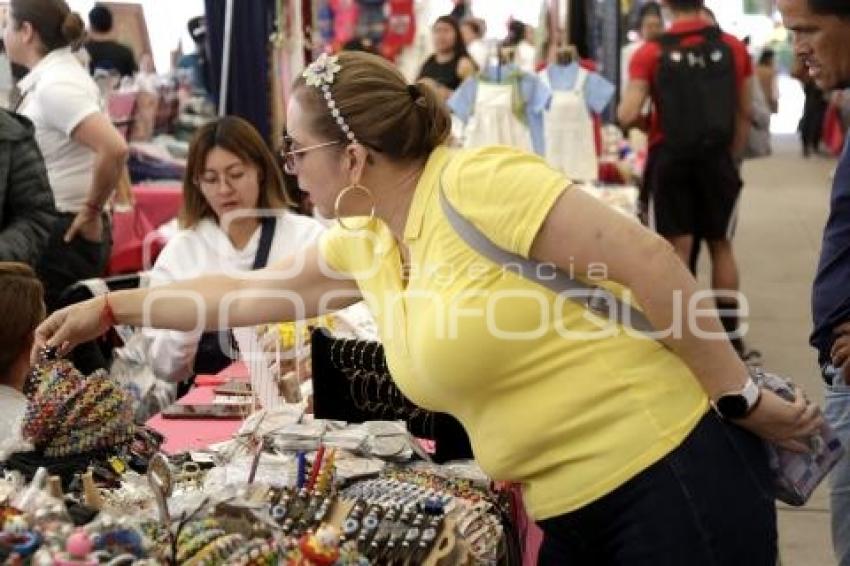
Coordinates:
267 227
596 299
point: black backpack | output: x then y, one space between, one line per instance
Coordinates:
697 94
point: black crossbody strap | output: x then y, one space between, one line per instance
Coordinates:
265 246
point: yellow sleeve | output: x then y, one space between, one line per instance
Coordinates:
505 192
332 245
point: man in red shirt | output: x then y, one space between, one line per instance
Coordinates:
694 190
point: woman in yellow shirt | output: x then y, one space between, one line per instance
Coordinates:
610 433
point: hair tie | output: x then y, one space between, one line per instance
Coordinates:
416 95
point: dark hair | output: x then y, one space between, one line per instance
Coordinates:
516 33
840 8
240 138
57 26
685 5
647 10
359 44
100 18
197 27
21 309
386 114
767 56
460 46
475 24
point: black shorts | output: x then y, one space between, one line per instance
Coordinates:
692 195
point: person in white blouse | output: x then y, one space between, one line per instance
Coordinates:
22 306
83 152
233 202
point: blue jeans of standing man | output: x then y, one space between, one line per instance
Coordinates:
837 413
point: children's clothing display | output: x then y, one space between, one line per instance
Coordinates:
503 106
568 124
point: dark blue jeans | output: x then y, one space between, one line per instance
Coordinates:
708 503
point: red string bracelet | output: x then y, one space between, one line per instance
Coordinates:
107 315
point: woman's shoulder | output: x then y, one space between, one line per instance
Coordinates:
506 193
465 66
189 249
69 71
497 177
487 162
67 84
205 232
298 227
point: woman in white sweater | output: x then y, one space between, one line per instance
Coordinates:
233 202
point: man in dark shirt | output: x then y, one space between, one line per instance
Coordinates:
821 30
106 53
692 193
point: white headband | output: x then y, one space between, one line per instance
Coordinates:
320 73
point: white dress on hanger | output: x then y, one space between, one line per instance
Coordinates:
493 121
568 128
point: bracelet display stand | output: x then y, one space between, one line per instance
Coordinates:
351 382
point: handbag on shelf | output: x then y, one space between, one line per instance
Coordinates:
795 475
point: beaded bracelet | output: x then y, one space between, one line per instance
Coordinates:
192 529
256 551
216 551
195 544
71 414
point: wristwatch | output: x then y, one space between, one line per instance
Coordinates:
738 404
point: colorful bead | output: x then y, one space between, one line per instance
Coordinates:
69 413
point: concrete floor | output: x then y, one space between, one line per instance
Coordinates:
783 209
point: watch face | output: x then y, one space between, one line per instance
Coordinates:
732 406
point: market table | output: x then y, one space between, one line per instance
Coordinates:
181 435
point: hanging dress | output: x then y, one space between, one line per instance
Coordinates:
568 130
494 120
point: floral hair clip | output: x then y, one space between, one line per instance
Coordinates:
320 74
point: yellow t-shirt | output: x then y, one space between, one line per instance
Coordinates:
569 419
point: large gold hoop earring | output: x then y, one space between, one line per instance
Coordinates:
341 195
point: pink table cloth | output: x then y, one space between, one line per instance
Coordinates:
135 242
181 434
159 201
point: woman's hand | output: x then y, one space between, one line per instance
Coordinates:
787 424
71 326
